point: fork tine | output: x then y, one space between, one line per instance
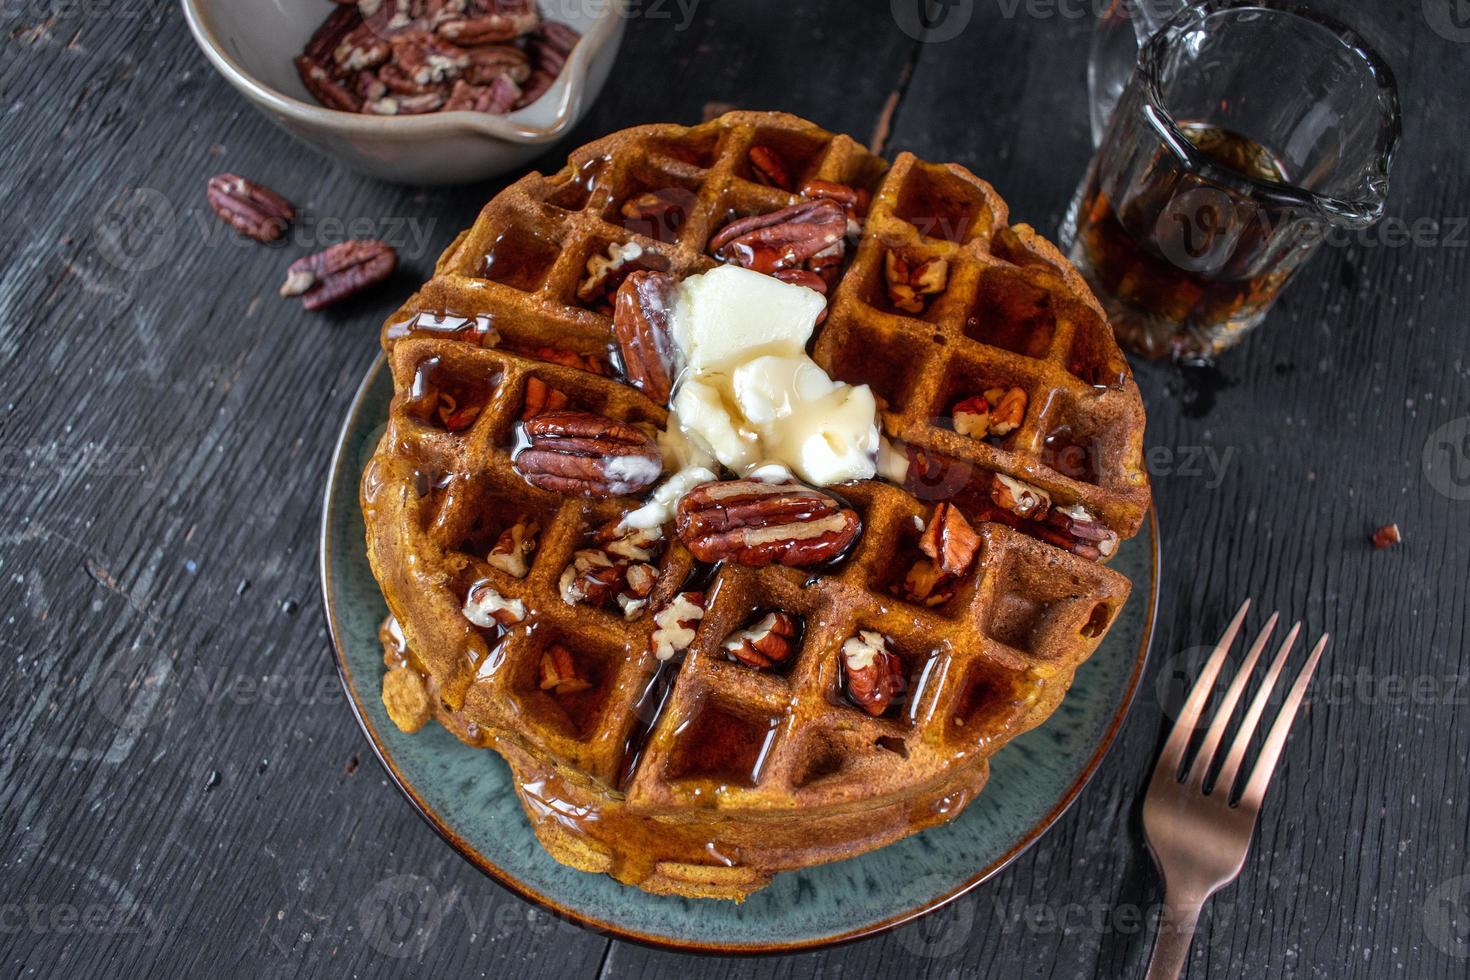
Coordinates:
1255 789
1188 719
1206 754
1226 780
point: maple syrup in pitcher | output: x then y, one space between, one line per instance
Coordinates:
1185 262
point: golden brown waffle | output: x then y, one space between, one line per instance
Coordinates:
702 776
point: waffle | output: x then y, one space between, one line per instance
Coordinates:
701 775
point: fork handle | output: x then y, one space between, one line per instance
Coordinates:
1177 922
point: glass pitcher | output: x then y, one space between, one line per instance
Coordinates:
1232 137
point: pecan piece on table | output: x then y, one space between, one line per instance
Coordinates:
782 239
872 673
559 672
642 321
1387 536
251 209
950 540
765 643
341 271
586 455
755 523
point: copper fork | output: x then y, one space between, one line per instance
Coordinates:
1199 839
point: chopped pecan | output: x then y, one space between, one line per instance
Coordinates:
586 455
1007 409
591 363
910 283
755 523
972 417
592 577
1021 499
1090 538
658 214
766 643
767 167
950 540
486 607
343 270
782 239
639 578
872 673
632 543
250 208
926 584
1387 536
607 270
559 672
675 624
541 398
513 548
642 321
454 416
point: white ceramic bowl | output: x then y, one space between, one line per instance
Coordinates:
253 42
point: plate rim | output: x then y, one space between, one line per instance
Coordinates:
512 884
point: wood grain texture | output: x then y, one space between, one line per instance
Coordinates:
184 790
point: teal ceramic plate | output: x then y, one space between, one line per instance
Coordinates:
466 794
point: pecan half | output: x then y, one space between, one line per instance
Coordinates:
1007 409
491 61
854 200
251 209
428 60
406 105
950 540
541 398
559 673
489 28
340 271
872 673
676 624
766 643
642 321
586 455
768 167
756 523
325 88
512 551
782 239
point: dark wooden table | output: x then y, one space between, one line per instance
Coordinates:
184 790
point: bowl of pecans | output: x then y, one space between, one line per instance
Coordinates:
416 91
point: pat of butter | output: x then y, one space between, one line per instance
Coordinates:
729 314
749 396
